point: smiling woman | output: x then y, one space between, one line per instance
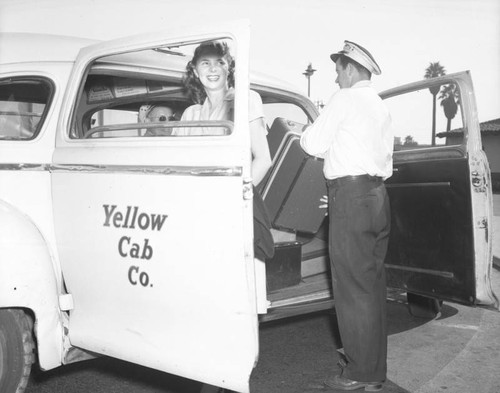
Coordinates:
209 82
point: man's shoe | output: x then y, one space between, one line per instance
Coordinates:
343 383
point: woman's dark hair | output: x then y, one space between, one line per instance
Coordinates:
192 85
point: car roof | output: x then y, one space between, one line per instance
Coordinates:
31 47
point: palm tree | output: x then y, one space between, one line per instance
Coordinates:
449 101
432 71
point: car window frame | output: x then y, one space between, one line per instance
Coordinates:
48 106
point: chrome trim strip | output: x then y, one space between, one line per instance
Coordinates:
406 185
226 124
420 270
298 300
24 167
137 169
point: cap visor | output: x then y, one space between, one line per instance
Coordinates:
335 56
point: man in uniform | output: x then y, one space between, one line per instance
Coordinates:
354 136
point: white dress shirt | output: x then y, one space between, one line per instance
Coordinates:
353 134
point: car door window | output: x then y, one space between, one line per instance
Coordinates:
438 193
118 101
24 102
427 118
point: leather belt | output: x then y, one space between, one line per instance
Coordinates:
352 179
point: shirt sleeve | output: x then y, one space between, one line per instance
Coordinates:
318 137
255 108
187 115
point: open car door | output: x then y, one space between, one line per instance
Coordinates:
155 234
441 199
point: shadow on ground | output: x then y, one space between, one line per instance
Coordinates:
108 375
296 355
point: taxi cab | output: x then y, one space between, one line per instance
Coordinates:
121 242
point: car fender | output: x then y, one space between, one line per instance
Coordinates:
27 280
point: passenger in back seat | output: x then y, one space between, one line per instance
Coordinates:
156 114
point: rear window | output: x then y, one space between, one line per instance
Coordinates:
24 102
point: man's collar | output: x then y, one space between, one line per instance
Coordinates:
362 83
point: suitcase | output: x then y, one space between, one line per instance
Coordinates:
294 188
278 133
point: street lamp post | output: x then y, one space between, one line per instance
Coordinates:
308 73
319 104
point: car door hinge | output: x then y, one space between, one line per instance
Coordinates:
478 181
247 189
66 302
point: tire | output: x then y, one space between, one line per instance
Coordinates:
16 350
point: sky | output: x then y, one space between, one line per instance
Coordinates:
404 36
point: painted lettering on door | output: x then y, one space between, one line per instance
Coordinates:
138 249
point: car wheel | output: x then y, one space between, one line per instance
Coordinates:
16 350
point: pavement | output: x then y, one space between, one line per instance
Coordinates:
454 353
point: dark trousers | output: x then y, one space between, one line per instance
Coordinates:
359 215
